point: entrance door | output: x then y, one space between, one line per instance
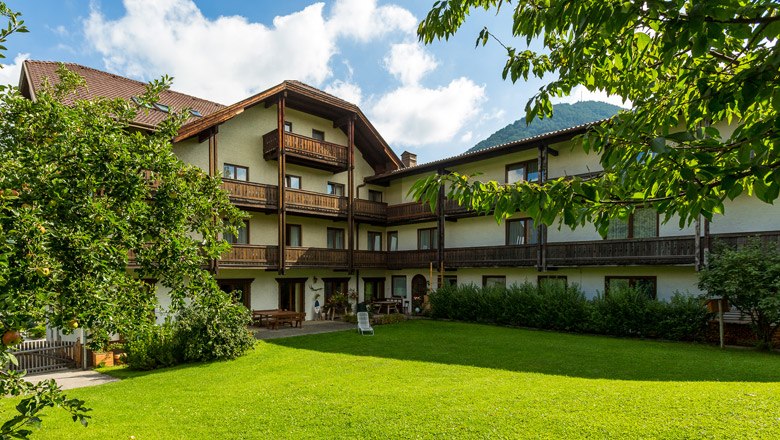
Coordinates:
419 290
240 288
291 294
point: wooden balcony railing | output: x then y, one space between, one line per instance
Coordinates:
300 200
657 250
490 256
251 194
415 258
742 238
370 259
306 151
369 210
416 211
316 257
251 255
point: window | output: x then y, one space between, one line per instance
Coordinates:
374 289
242 237
645 284
642 223
139 102
318 135
374 196
335 285
493 280
288 127
521 231
293 182
235 172
449 280
196 113
524 171
335 238
240 288
399 285
294 236
427 238
374 241
392 241
552 281
162 107
336 189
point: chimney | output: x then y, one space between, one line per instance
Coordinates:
408 159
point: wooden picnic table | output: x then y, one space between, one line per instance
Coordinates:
273 318
387 305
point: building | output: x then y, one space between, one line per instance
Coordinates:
330 210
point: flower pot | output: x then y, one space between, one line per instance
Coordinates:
103 358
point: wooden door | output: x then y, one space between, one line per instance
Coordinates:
419 290
291 294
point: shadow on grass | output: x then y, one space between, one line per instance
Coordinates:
531 351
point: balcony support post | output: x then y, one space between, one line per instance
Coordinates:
213 156
541 230
441 212
707 243
697 248
351 194
281 208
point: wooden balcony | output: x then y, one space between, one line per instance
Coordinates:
491 256
742 238
366 210
308 202
316 257
306 151
370 259
251 255
413 212
638 251
251 195
411 259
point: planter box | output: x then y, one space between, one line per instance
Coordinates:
712 305
103 357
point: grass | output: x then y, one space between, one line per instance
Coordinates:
425 379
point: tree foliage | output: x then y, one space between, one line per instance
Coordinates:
693 70
80 192
749 279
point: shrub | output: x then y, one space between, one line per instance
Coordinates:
154 347
684 318
200 332
392 318
562 308
625 312
214 331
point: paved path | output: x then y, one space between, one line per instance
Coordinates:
69 379
308 328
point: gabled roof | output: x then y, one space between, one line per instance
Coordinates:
528 143
300 96
109 85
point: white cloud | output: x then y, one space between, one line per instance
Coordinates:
415 116
345 90
364 21
467 136
9 74
580 93
230 58
409 62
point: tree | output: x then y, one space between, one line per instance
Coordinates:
688 67
80 192
749 279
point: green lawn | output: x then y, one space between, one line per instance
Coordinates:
425 379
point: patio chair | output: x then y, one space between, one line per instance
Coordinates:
363 326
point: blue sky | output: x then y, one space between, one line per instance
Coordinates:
436 100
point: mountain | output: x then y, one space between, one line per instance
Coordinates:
564 116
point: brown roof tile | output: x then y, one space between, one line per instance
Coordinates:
108 85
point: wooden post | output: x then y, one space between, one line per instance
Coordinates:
720 322
707 243
213 171
282 172
441 211
351 194
697 250
541 235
